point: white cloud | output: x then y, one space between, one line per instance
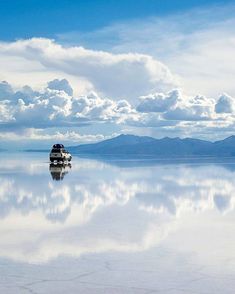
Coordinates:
192 109
5 112
102 79
197 45
6 90
193 113
176 106
61 85
116 75
225 104
56 108
158 102
26 109
94 108
147 58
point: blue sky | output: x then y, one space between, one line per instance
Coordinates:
82 71
37 18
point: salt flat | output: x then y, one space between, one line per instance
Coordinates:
108 227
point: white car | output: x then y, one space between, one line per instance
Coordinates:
58 153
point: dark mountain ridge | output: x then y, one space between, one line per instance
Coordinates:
131 146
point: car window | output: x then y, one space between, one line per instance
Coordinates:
55 150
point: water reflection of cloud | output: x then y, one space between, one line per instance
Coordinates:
163 189
99 208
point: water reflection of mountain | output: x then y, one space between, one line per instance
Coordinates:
226 162
59 170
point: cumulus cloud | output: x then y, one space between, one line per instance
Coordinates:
54 106
175 106
61 85
7 93
6 90
225 104
158 102
94 107
5 113
115 75
118 78
192 109
193 113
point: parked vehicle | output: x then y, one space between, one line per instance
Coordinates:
59 154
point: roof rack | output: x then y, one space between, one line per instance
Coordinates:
58 146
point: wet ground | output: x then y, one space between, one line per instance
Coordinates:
116 226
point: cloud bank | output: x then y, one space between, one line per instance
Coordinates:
29 113
131 91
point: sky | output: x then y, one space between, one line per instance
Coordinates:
84 71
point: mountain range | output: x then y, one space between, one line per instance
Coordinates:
131 146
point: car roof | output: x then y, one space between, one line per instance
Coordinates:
57 146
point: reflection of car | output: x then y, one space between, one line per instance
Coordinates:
59 170
58 153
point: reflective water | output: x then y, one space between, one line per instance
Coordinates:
116 227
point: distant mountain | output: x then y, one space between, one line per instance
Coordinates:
130 146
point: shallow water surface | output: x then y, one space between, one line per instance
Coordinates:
116 226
